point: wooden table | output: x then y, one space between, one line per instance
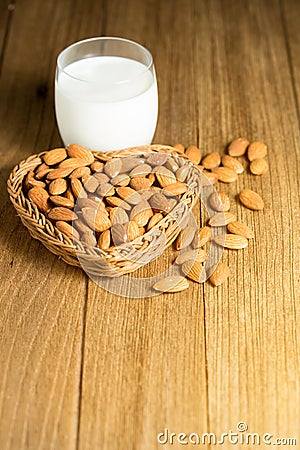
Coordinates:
81 368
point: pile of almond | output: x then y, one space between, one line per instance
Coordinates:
108 203
225 169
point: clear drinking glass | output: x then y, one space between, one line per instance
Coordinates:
106 94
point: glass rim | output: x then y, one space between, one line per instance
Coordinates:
103 38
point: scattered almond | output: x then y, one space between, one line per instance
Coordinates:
202 237
171 284
55 156
240 228
219 274
219 201
251 199
194 153
221 219
232 163
225 174
179 147
231 241
185 238
194 271
259 166
211 161
257 150
238 147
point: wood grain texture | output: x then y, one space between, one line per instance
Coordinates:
86 369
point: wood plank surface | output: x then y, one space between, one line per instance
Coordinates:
83 368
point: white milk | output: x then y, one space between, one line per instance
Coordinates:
106 103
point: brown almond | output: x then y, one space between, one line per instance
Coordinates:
113 167
231 241
259 166
69 195
195 271
30 181
89 238
185 238
251 200
171 164
55 156
120 180
238 147
91 184
102 221
219 274
58 186
80 172
58 200
157 159
77 188
155 219
219 201
129 163
225 174
40 197
101 177
104 240
41 171
116 201
158 203
182 173
175 189
194 153
129 195
61 213
209 178
72 163
171 205
77 151
179 147
140 183
67 229
119 234
164 176
240 228
59 173
141 213
141 171
175 283
202 237
221 218
232 163
257 150
133 230
118 215
97 166
211 160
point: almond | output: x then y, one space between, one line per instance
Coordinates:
157 159
172 165
59 173
141 213
175 189
179 147
200 256
30 181
240 228
41 171
80 172
194 153
231 241
182 173
195 271
72 163
58 200
164 176
185 238
119 234
221 218
113 167
171 284
104 240
202 237
257 150
89 238
40 197
232 163
158 203
238 147
77 188
155 219
120 180
225 174
209 178
129 163
116 201
259 166
58 186
77 151
55 156
97 166
69 195
140 183
90 184
101 177
133 230
129 195
140 171
251 199
219 201
67 229
61 213
211 160
118 215
219 274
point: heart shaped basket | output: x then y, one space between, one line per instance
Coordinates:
124 258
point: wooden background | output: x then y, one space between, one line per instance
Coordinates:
84 369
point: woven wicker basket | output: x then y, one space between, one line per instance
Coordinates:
122 259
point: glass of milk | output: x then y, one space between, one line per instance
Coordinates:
106 94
